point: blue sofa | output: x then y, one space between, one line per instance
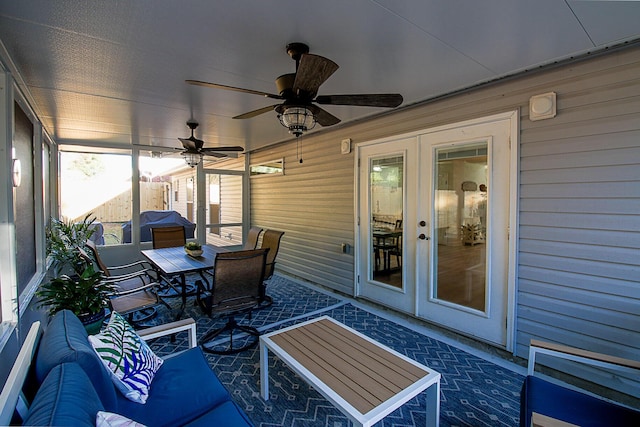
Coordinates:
550 399
74 386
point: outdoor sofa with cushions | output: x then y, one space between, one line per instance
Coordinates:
547 402
74 385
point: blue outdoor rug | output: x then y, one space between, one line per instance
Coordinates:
474 391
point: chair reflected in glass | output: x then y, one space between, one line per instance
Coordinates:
136 286
270 240
252 238
235 289
168 237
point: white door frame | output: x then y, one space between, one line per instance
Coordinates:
514 167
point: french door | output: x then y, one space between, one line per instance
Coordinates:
434 215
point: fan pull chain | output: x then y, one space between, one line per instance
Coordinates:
299 149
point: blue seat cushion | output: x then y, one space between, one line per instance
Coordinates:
571 406
226 414
65 340
65 398
182 390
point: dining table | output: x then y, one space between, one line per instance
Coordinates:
174 262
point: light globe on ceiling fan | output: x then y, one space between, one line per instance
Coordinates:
193 148
298 90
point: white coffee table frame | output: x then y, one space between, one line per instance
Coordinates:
429 382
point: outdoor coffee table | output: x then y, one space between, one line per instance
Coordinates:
364 379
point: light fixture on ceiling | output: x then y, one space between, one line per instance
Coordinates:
297 119
192 158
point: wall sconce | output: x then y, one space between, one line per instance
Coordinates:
542 106
16 172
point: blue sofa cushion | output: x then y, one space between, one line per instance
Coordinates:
571 406
182 390
65 398
226 414
65 340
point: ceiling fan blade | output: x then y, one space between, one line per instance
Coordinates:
365 100
237 89
210 150
323 117
257 112
189 143
313 70
214 154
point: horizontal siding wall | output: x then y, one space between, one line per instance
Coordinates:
313 204
578 274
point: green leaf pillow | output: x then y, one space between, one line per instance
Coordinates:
129 359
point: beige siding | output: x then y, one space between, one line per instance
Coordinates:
313 204
578 275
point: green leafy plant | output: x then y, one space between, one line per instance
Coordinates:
86 293
63 240
193 246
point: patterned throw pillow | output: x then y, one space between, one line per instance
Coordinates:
109 419
129 359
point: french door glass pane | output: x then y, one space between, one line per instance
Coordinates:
386 196
461 225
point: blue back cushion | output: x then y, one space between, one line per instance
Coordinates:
65 340
65 398
571 406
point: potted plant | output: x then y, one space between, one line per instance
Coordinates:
75 284
63 240
193 249
86 294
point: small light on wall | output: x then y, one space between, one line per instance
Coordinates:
542 106
345 146
16 172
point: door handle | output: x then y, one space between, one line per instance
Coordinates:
421 236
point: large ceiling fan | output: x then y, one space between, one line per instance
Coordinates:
194 148
298 90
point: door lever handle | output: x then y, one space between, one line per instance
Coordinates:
421 236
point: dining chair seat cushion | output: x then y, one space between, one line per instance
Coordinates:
227 414
183 389
65 340
65 398
131 362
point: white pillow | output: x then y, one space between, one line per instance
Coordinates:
129 359
109 419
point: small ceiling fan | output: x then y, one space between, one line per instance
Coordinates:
194 148
298 90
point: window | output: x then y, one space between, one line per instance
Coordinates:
98 184
274 167
159 191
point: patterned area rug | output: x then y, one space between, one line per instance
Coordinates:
474 391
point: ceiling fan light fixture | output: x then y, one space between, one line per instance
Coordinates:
297 119
192 159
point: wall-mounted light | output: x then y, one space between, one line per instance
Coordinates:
542 106
16 172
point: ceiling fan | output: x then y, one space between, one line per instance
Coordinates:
194 151
298 90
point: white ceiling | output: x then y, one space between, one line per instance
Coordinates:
113 71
